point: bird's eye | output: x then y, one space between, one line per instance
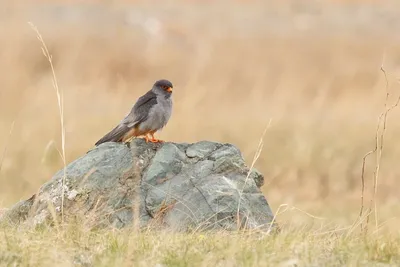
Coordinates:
166 88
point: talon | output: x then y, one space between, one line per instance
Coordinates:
155 140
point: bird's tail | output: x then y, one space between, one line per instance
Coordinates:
115 135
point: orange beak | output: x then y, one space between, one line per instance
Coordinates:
169 90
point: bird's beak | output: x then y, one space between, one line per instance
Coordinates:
169 90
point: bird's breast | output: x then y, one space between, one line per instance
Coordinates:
159 114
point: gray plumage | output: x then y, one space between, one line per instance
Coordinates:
150 113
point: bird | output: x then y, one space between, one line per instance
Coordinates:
150 113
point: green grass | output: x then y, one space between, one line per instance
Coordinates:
73 245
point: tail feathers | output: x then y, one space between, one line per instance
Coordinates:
115 135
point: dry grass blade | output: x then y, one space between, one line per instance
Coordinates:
378 149
60 102
289 208
256 156
363 173
383 118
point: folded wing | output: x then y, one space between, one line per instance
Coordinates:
138 114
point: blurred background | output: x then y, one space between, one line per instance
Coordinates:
311 67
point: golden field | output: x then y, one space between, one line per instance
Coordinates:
313 70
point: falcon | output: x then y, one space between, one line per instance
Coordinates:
150 113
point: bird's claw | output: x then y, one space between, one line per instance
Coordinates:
152 140
156 141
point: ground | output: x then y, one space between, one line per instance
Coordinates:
74 246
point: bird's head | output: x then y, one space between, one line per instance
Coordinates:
163 87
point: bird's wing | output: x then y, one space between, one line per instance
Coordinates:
141 109
114 135
138 114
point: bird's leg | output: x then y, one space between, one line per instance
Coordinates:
154 140
147 138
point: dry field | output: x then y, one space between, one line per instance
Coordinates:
312 68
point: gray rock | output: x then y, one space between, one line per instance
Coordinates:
257 177
201 186
226 151
201 149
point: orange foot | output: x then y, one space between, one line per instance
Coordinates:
154 140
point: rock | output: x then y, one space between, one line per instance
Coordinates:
200 149
201 186
257 177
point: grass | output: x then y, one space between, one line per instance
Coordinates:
294 247
321 87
